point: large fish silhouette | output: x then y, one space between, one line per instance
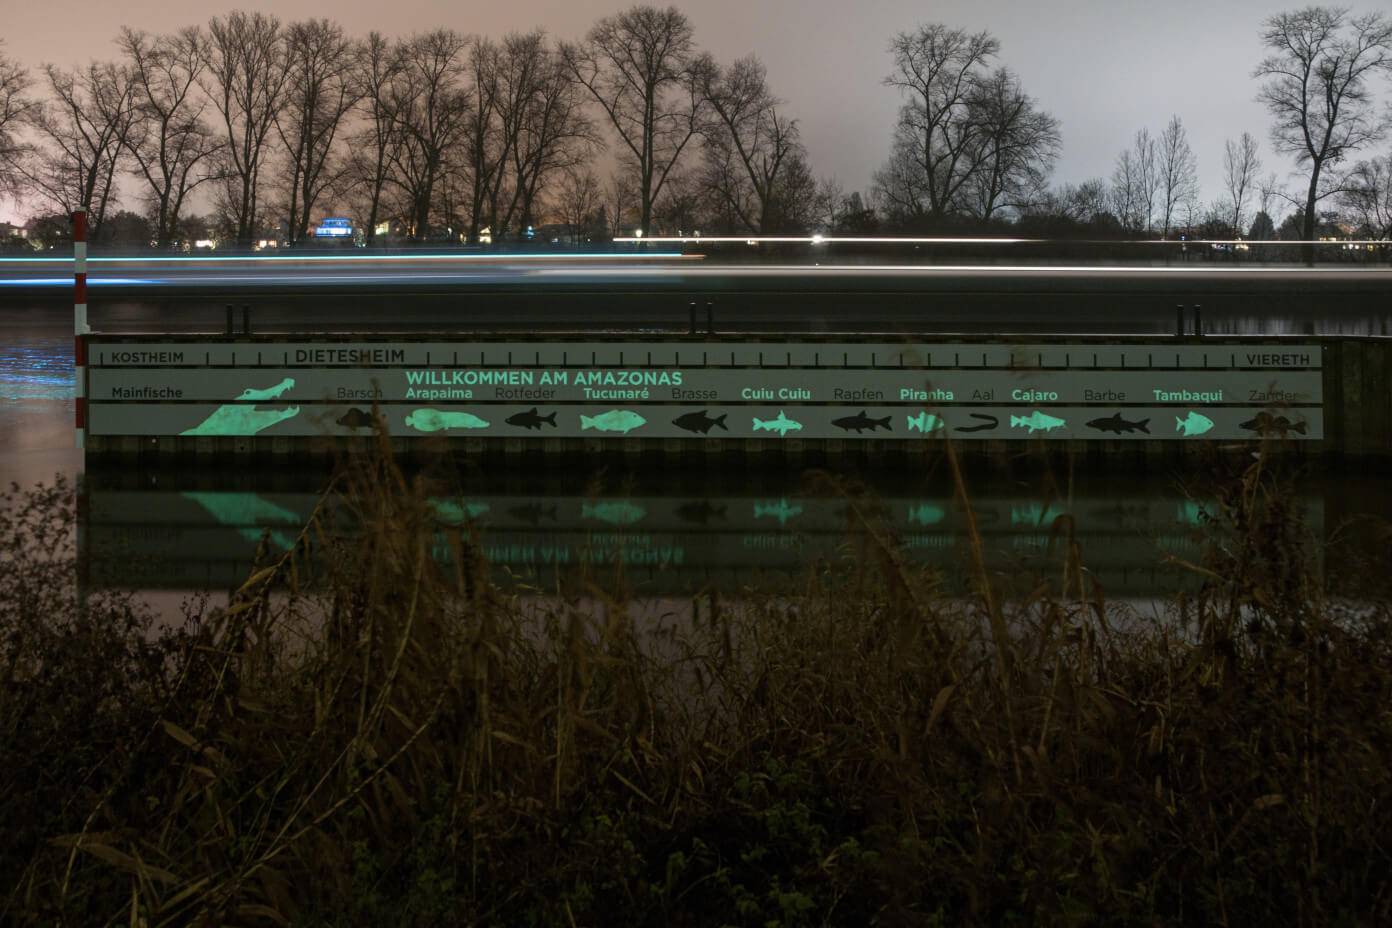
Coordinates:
1193 424
269 393
861 422
434 420
782 425
1116 425
1037 421
355 418
241 420
530 419
615 420
700 422
1264 423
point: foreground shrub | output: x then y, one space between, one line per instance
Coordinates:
372 732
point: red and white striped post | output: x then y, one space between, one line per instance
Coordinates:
80 327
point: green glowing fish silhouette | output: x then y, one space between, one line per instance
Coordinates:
269 393
925 422
250 514
1037 421
782 425
1035 514
779 510
615 420
623 513
243 509
450 510
241 420
1193 424
1192 513
435 420
927 514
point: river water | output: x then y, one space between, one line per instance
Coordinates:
164 526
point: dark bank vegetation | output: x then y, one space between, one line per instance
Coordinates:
369 734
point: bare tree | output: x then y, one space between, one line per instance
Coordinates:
321 89
748 144
1367 196
84 125
485 140
430 100
247 72
15 109
1240 167
578 200
372 150
1178 173
936 139
642 68
755 161
622 203
168 140
1135 184
1316 90
1017 145
554 134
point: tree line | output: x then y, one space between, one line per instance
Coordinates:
446 136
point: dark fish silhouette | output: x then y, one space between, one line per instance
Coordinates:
1119 513
699 422
355 418
701 512
532 513
861 422
530 419
989 423
1264 423
1116 425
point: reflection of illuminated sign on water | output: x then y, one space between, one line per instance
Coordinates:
779 510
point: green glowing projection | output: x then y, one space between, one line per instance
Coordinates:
1035 514
1192 513
249 513
621 513
782 425
1193 424
241 420
927 514
449 510
247 420
779 510
615 420
435 420
1037 421
925 422
269 393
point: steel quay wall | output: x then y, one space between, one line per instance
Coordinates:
677 395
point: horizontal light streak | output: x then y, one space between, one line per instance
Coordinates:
198 259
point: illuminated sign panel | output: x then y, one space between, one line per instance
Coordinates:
706 390
334 228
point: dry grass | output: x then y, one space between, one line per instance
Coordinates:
372 734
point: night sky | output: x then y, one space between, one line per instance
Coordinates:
1103 69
